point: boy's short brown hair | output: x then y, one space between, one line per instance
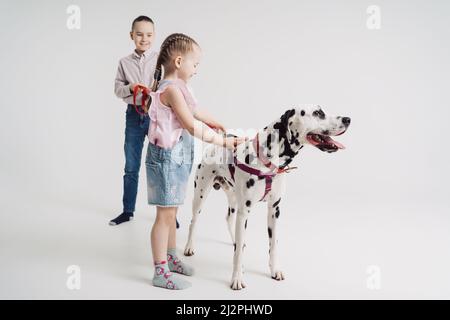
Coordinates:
139 19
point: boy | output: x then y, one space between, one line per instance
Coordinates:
134 69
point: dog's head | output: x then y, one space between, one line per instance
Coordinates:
316 128
310 125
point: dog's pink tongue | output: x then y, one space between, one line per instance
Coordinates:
338 144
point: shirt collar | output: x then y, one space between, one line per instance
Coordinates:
146 54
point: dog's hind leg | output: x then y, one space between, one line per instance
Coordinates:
202 185
273 213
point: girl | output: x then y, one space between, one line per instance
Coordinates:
173 111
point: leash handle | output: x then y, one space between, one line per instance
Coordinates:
145 93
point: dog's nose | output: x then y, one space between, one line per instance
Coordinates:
346 121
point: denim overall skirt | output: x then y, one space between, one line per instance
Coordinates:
168 171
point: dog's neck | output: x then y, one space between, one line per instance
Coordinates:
278 144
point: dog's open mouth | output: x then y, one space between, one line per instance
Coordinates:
323 142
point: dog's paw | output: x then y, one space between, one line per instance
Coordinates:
237 284
188 251
278 275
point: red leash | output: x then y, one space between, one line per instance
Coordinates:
145 93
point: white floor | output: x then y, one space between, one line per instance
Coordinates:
326 251
368 222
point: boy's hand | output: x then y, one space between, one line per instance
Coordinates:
133 85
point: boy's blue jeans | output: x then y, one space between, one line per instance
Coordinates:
136 129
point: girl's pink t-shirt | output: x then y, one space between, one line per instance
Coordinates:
165 129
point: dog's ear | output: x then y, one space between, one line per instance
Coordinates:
283 125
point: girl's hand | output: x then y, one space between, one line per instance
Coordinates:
216 126
232 142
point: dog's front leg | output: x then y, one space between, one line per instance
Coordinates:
272 217
231 213
237 282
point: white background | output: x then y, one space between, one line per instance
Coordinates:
383 201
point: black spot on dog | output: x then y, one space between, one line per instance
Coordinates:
276 203
201 197
270 232
277 213
229 211
326 132
234 244
195 184
248 203
199 166
250 183
245 224
232 210
302 113
269 141
249 158
319 113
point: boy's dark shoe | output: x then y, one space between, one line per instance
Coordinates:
123 217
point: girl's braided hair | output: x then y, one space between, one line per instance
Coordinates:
175 43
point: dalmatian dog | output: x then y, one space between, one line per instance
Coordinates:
255 171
